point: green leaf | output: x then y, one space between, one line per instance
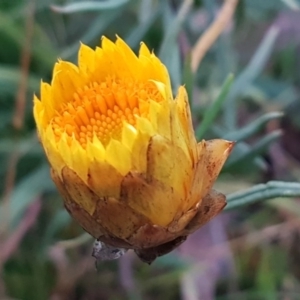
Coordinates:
10 78
241 149
188 79
43 50
85 6
137 33
236 160
172 27
262 192
94 31
60 220
167 51
26 145
253 69
293 4
211 113
31 187
252 128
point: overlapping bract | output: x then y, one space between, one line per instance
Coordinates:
123 152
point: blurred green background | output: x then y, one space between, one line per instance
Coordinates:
251 252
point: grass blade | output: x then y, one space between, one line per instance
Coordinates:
85 6
214 109
261 192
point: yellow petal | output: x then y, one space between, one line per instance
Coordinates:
80 161
46 100
153 69
185 117
74 156
139 152
178 135
86 60
127 54
198 189
144 51
118 62
39 113
129 135
54 156
118 156
65 83
95 150
145 126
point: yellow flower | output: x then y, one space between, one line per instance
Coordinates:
123 152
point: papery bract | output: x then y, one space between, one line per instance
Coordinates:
123 153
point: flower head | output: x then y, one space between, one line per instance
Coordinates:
123 152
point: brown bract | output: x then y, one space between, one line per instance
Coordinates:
132 230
